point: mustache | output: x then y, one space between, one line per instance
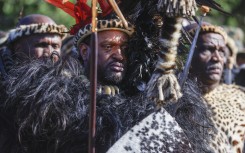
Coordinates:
214 66
117 63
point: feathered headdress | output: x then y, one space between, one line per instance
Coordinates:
37 28
82 13
191 29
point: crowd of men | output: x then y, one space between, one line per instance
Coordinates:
45 86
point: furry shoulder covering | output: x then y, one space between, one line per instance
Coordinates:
47 109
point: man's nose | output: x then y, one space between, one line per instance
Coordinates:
117 54
216 56
47 51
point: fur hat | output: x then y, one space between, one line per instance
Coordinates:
206 27
102 25
27 30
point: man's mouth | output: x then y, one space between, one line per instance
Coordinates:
117 67
214 69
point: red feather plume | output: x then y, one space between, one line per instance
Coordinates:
68 7
105 7
80 11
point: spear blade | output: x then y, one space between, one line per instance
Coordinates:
189 59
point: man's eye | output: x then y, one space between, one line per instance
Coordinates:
206 51
41 45
107 47
222 53
55 46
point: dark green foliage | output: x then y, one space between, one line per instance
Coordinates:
10 12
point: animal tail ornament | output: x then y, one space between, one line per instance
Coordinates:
163 85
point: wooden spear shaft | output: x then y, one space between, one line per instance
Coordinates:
185 73
93 79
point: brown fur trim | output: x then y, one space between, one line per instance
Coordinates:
102 25
210 28
163 85
26 30
167 56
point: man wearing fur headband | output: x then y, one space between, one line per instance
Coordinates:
36 36
227 102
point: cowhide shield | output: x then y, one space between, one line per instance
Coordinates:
157 133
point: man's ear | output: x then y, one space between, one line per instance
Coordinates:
84 51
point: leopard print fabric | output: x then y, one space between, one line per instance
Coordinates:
102 25
209 28
26 30
227 103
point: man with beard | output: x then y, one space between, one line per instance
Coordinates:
112 47
36 36
225 101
